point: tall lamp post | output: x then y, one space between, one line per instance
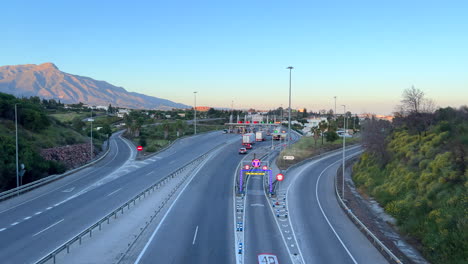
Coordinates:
289 110
195 115
344 145
16 127
334 113
91 121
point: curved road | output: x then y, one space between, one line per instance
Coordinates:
32 229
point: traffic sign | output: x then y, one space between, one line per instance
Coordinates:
139 148
279 177
267 259
288 157
256 163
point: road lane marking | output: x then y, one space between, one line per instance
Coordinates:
15 223
114 191
1 229
257 204
48 208
38 213
27 217
69 190
200 166
48 227
195 236
6 210
305 167
325 216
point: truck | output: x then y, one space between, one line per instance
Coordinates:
279 136
260 136
248 138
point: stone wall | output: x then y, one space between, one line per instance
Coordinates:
71 155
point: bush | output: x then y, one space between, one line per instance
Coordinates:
331 136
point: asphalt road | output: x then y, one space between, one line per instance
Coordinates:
261 232
34 228
324 232
199 227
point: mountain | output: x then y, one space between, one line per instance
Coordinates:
47 81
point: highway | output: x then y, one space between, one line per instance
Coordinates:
31 229
324 232
261 232
199 227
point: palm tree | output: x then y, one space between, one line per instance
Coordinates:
323 126
165 125
316 135
180 126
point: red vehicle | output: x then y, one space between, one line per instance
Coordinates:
248 146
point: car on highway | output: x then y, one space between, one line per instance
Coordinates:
242 151
248 146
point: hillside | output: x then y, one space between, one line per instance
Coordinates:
47 81
417 169
36 131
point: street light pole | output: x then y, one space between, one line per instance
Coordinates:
16 125
334 114
344 146
195 115
91 120
289 110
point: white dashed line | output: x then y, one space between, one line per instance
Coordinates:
1 229
48 227
27 217
15 223
48 208
37 213
195 236
114 192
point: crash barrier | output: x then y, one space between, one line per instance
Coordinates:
120 210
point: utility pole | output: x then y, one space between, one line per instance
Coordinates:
289 115
344 147
195 110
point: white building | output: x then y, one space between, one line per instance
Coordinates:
311 123
122 112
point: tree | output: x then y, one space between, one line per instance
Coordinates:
180 126
316 134
110 109
374 137
323 126
330 115
106 130
165 126
212 113
331 136
77 124
414 101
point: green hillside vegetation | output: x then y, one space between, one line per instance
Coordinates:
36 130
417 169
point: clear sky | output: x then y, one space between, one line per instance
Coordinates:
364 52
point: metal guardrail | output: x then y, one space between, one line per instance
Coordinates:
66 246
35 184
363 227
